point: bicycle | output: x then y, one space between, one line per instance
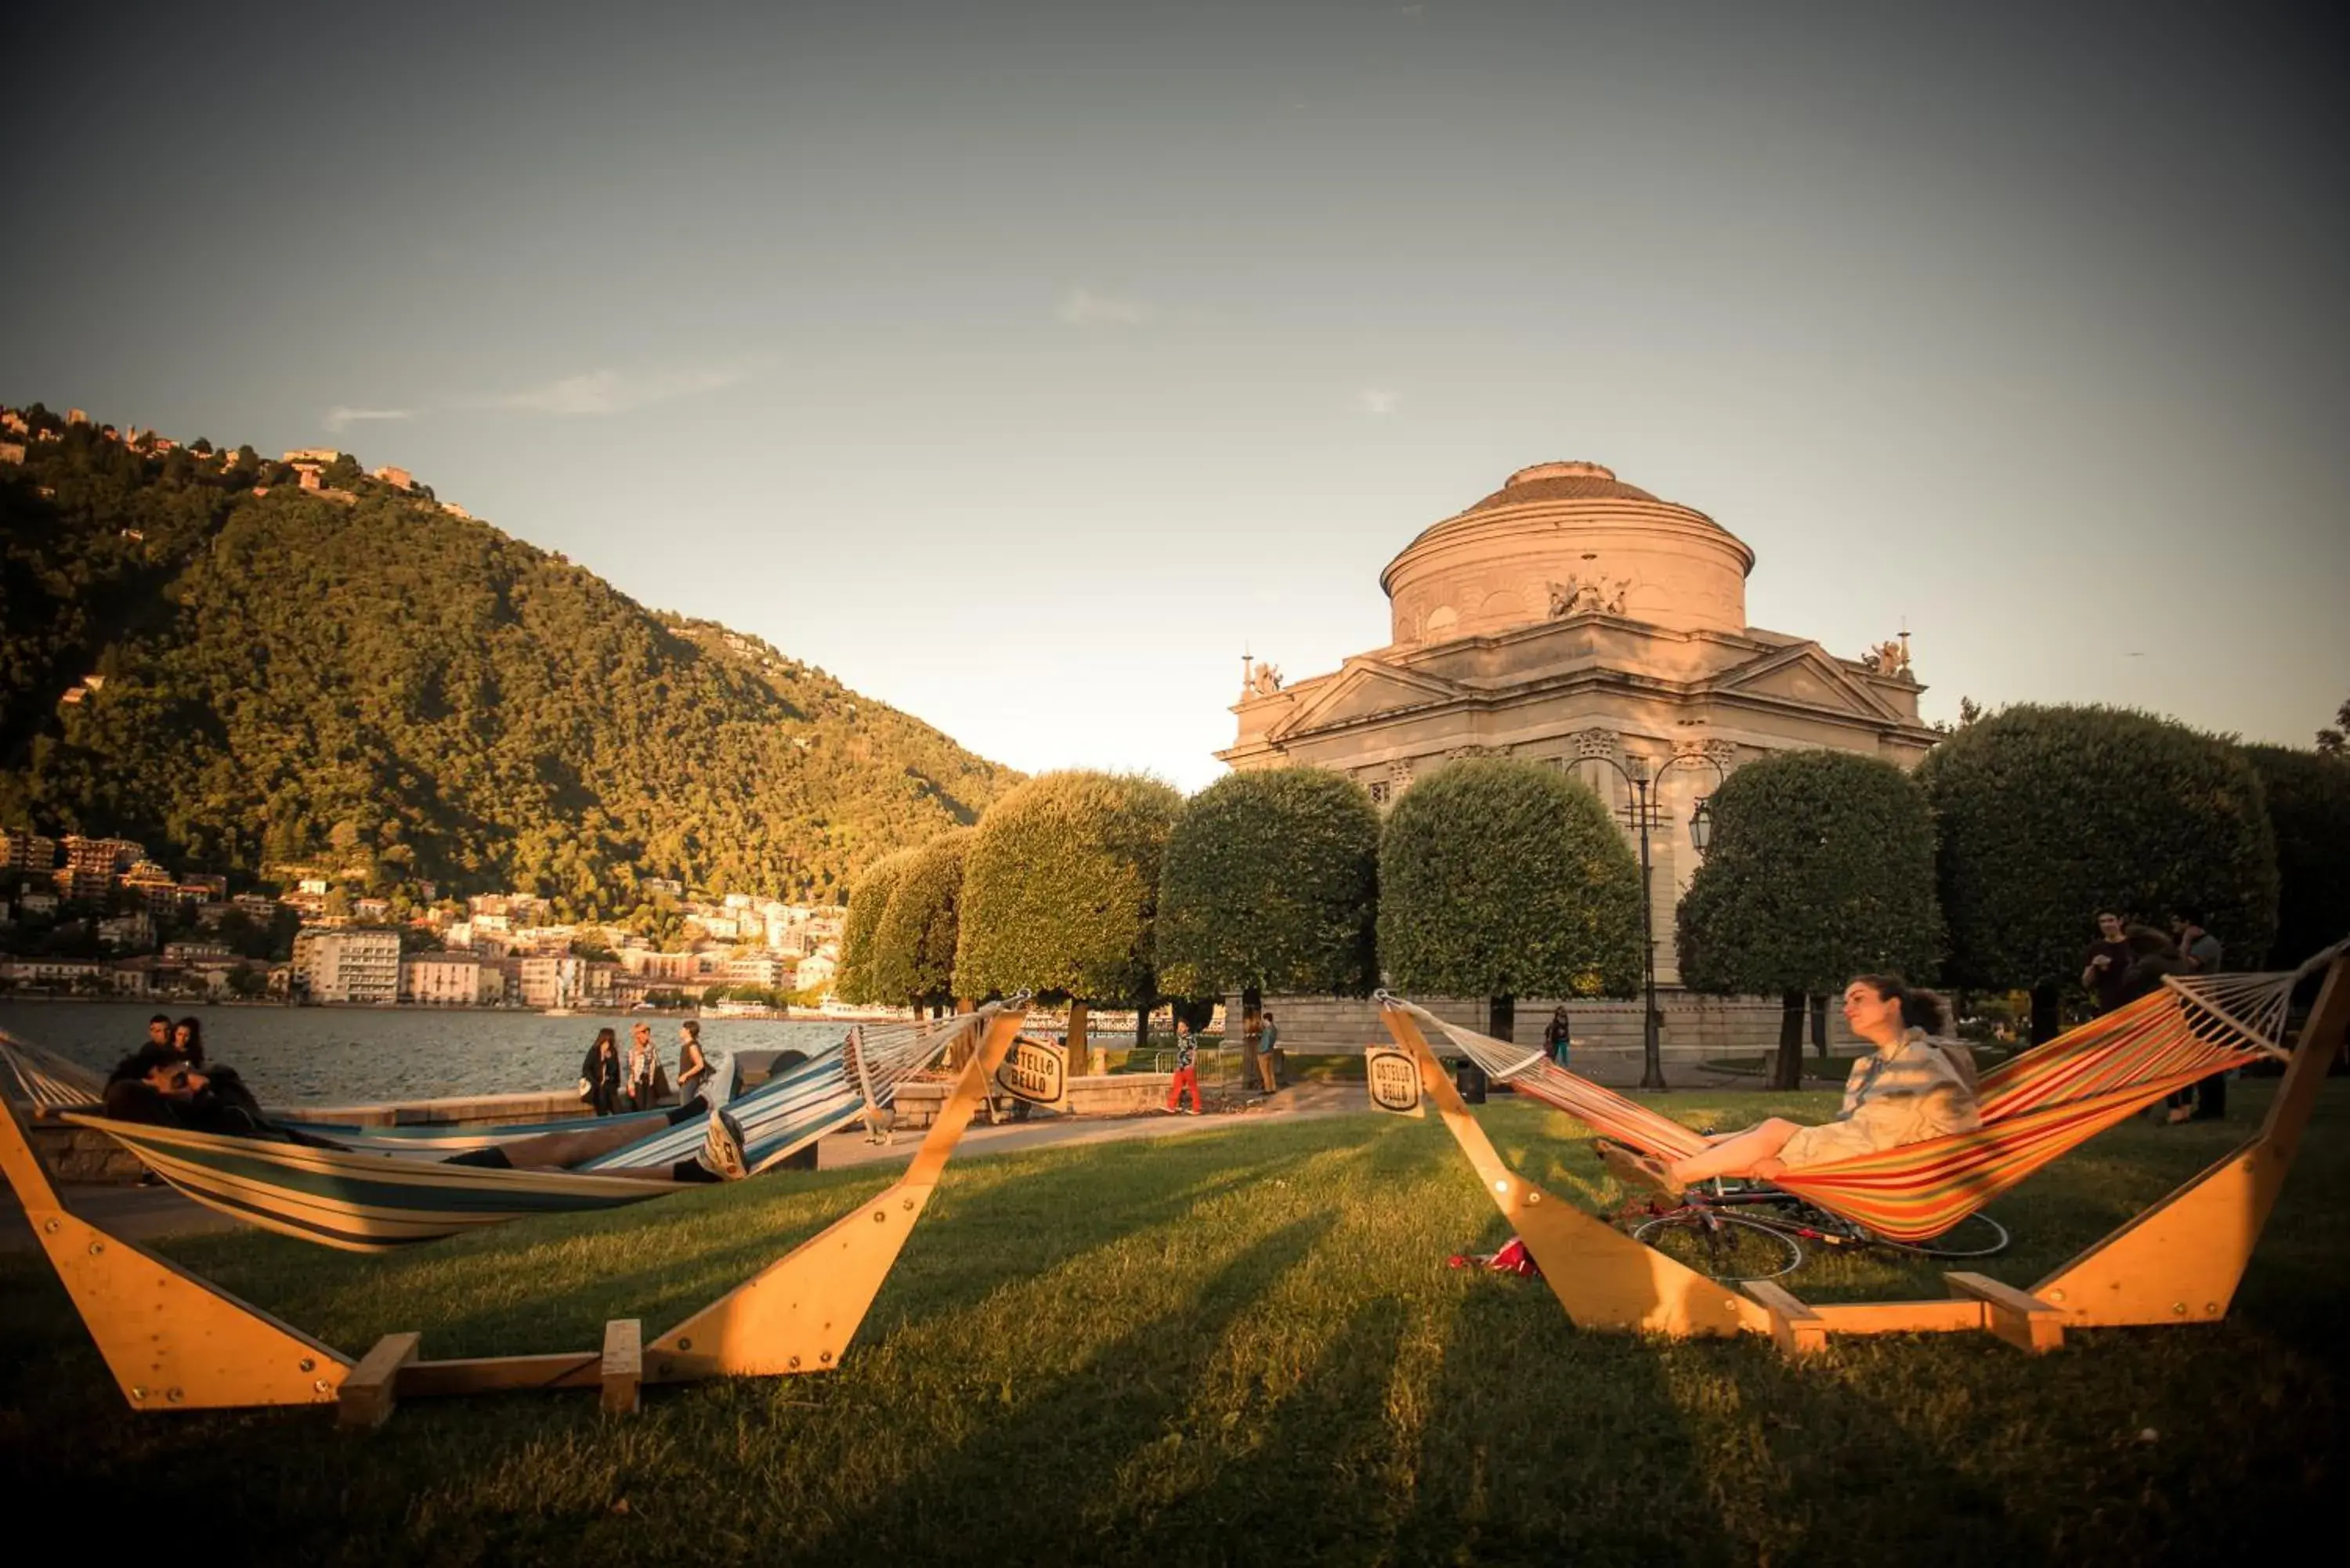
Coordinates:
1768 1239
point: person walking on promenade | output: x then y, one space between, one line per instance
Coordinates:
2105 974
1268 1079
599 1074
2202 952
1186 1071
644 1068
694 1070
1558 1037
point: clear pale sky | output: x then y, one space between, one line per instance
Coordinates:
1020 364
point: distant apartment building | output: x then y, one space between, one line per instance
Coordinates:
348 965
134 930
815 970
398 478
450 979
773 973
12 452
157 889
191 952
107 856
50 971
318 454
22 851
551 981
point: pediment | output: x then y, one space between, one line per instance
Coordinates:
1806 676
1365 689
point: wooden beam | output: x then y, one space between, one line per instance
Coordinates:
623 1367
1602 1277
501 1374
798 1313
2019 1317
1799 1330
2181 1260
372 1391
1900 1317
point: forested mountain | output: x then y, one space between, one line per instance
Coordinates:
366 679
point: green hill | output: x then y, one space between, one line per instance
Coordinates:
374 683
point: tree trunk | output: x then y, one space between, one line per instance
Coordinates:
1501 1018
1078 1052
1820 1025
1787 1069
1252 1013
2045 1025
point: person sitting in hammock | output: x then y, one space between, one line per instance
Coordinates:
1907 1090
157 1087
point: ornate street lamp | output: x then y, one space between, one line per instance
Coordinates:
1637 777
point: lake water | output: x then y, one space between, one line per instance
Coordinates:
335 1056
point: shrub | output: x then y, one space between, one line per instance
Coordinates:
913 947
1504 880
2308 798
868 900
1821 868
2047 816
1270 884
1060 887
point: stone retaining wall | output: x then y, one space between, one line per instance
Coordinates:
1107 1095
1694 1027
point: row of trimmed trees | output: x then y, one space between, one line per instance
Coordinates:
1507 879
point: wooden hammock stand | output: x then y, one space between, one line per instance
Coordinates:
177 1342
2180 1262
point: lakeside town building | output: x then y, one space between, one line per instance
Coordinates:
1580 622
348 964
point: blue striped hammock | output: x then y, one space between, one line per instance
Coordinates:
53 1086
368 1203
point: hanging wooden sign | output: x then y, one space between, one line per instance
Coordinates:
1036 1071
1394 1081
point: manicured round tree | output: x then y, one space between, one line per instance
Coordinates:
2049 815
868 900
1270 884
1821 868
913 947
1504 880
2309 810
1060 887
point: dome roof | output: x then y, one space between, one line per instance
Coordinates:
1559 481
1564 539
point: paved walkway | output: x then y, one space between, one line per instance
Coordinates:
147 1213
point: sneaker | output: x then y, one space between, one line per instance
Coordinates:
1637 1170
722 1151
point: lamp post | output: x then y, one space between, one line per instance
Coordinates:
1638 778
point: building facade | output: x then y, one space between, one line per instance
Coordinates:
348 964
1577 621
450 979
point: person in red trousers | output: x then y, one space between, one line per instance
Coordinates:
1186 1071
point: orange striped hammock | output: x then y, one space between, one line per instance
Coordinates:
2035 1106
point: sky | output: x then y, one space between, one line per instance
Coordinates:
1024 364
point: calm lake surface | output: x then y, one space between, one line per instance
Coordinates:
339 1055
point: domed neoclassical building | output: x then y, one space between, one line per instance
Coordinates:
1570 617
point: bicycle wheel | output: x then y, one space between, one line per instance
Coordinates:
1721 1246
1976 1236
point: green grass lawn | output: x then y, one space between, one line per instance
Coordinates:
1238 1346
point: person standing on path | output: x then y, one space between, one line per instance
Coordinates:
644 1067
1268 1065
2106 973
1558 1037
2202 952
599 1074
1186 1071
693 1069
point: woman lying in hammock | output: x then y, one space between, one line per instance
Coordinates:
1910 1089
158 1087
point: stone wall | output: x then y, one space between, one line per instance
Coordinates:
1694 1027
80 1155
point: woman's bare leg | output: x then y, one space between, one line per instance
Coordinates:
562 1150
1738 1154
